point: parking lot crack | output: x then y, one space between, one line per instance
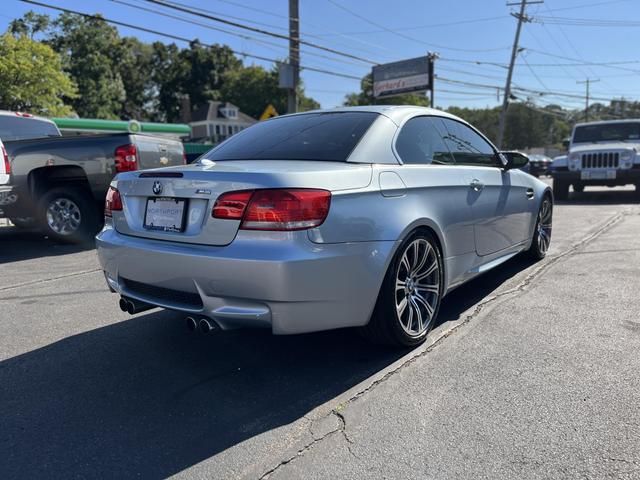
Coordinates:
575 247
51 279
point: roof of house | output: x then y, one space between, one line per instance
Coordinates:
213 110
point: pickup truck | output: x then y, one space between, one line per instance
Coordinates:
59 183
600 153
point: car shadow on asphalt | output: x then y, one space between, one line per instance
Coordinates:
471 293
147 397
17 244
601 197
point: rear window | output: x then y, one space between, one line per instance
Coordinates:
22 128
311 136
607 132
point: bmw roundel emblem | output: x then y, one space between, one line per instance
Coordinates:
157 187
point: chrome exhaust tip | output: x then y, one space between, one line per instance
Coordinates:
123 304
133 306
207 326
192 324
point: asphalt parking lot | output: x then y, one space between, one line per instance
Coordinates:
532 372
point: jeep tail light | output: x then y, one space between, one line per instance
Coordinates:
280 209
113 202
5 158
126 158
184 158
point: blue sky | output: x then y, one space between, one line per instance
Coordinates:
462 31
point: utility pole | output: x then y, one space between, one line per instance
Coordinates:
522 17
588 81
432 56
294 55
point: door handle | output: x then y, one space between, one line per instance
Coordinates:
476 185
530 193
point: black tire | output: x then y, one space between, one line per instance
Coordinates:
560 189
23 222
578 187
385 326
542 235
82 212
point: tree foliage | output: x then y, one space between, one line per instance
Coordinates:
31 77
90 49
253 88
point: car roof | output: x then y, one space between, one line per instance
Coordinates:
397 113
602 122
9 113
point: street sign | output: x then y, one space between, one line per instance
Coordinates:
405 76
269 112
286 74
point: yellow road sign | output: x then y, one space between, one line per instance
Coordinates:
269 112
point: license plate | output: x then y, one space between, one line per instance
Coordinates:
598 175
165 214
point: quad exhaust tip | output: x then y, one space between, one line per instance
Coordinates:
192 324
207 326
133 306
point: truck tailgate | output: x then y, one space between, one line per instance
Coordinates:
157 152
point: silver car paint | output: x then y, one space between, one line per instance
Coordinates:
327 277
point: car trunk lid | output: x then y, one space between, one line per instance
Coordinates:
190 192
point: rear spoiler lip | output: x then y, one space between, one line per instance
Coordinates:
161 175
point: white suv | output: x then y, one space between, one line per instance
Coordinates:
601 153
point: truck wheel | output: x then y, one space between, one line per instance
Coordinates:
69 215
560 190
23 222
578 187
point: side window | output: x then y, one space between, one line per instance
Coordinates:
467 147
420 142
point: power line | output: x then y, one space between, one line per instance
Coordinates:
257 30
433 25
400 34
228 32
587 5
288 18
182 39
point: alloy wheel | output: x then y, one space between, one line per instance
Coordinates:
417 287
63 216
544 226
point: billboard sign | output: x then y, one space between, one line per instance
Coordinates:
405 76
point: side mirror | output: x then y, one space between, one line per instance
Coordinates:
565 143
515 160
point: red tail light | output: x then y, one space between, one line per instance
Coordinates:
5 157
126 158
231 205
184 158
113 202
275 209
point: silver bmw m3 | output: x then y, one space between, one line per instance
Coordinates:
354 217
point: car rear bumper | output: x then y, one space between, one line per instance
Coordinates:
13 203
278 280
623 177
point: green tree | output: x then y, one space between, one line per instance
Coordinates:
197 71
365 97
32 79
134 65
90 51
253 88
30 24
